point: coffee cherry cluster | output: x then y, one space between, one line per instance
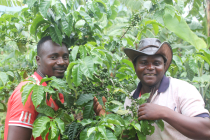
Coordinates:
29 70
12 86
7 90
135 19
100 87
131 85
31 42
21 40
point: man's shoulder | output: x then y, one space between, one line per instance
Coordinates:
16 93
18 88
181 85
20 85
178 82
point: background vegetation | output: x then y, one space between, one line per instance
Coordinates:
96 32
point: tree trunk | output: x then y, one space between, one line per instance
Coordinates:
208 15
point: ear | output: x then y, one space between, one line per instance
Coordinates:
134 65
38 60
164 66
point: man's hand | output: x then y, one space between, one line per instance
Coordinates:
149 111
97 107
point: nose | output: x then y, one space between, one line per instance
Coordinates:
60 61
150 66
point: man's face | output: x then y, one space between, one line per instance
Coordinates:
53 59
150 69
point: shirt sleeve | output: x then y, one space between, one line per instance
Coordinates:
19 114
191 101
203 115
61 97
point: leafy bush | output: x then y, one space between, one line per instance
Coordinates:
96 33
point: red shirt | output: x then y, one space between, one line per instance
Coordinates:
24 116
140 94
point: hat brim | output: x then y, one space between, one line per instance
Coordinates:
164 50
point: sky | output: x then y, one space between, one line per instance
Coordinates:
5 8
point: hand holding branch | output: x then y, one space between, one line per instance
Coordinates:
149 111
98 109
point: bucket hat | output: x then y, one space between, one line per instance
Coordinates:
151 46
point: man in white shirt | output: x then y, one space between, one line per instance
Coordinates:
176 102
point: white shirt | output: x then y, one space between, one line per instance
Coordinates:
179 96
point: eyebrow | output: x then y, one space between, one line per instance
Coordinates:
144 59
57 54
158 60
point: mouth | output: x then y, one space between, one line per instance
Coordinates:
60 70
150 74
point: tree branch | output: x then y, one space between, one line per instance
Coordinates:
125 32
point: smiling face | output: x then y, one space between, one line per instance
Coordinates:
150 69
53 59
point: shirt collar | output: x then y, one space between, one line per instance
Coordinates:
162 88
40 78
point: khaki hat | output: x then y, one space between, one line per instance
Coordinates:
151 46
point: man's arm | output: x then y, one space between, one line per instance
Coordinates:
19 133
19 117
192 127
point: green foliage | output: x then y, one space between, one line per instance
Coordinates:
4 77
38 98
96 33
40 125
88 111
160 124
84 98
11 3
45 109
60 124
113 126
72 130
143 98
26 90
37 95
181 29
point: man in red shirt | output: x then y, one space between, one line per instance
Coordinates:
52 60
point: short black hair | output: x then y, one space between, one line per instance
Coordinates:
41 41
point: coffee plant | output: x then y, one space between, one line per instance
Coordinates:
114 125
95 33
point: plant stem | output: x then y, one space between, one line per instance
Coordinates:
121 135
115 71
80 131
200 73
125 32
206 88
